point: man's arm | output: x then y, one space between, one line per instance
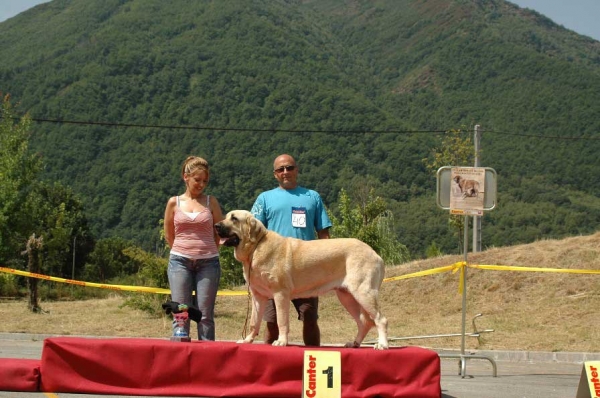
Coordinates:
323 234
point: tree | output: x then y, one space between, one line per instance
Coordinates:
433 250
18 170
370 222
57 215
152 273
109 260
454 151
30 208
232 273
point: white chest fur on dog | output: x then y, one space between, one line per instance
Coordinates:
285 268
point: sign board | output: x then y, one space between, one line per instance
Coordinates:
322 374
589 383
466 190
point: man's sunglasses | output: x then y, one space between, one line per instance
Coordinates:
286 168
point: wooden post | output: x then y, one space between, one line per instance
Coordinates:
33 250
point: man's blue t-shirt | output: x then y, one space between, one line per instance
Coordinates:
295 213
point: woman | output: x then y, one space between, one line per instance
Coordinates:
194 258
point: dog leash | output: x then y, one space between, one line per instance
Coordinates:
244 331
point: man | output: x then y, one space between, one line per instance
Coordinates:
296 212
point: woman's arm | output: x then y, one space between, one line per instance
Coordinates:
169 224
217 214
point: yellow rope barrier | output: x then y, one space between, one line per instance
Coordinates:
107 286
461 266
453 268
534 269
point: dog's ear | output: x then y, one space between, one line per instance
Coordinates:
254 230
250 227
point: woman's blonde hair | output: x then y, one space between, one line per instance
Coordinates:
194 163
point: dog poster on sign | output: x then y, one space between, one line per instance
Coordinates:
467 190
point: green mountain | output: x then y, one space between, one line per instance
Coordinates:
359 91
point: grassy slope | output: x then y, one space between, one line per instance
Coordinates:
528 310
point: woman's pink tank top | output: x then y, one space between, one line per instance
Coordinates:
194 233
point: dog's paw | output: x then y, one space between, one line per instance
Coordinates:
245 341
352 344
380 346
279 343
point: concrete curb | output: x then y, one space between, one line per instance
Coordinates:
36 336
530 356
497 355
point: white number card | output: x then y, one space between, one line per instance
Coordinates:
322 374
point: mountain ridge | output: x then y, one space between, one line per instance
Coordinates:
345 68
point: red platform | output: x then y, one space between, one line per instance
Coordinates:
19 374
161 367
134 366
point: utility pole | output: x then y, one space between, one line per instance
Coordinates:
477 219
73 271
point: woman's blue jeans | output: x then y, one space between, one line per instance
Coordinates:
185 276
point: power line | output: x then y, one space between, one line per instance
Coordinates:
556 137
246 129
276 130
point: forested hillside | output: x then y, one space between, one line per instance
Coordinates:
359 91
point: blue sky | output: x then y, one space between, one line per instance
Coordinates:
582 16
10 8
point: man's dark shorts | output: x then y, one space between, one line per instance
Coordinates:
307 308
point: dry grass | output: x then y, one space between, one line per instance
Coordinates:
528 310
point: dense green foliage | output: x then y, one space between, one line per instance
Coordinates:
18 169
371 222
45 219
335 83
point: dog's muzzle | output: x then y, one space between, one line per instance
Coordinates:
227 238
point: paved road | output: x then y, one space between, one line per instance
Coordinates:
519 375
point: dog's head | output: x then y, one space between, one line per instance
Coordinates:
457 179
239 228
